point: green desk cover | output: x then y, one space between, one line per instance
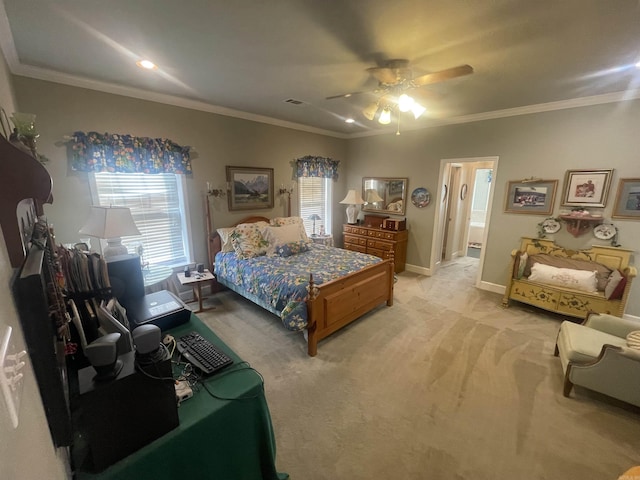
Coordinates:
216 439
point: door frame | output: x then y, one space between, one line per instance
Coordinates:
440 213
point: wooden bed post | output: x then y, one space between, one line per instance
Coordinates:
312 331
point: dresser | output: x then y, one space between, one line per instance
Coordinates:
378 242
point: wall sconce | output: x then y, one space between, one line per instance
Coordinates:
284 190
215 192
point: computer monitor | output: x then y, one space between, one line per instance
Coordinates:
109 324
125 277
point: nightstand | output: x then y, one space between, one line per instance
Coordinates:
322 239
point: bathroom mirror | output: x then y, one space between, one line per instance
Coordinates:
384 195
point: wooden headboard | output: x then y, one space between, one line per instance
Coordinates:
215 244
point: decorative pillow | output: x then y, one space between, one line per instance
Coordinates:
277 236
247 240
225 239
615 285
564 277
522 262
281 221
288 249
633 339
602 274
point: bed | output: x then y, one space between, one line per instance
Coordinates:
319 289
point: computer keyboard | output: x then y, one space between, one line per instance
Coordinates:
202 354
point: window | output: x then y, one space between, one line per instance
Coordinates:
315 197
158 207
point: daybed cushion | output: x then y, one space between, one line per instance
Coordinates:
602 274
615 285
564 277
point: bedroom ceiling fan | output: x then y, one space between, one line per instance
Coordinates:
395 82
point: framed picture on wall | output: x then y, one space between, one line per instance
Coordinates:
250 188
627 199
586 188
534 197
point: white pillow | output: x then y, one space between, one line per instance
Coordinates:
564 277
277 236
522 262
225 239
281 221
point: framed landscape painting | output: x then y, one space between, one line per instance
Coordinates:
533 197
586 188
627 199
250 188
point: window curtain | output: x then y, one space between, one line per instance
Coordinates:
96 152
322 167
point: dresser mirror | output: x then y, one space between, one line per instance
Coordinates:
384 195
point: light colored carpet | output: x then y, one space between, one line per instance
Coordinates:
445 384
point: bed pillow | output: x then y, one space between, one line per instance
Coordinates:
281 221
247 240
277 236
292 248
225 239
615 285
583 280
602 274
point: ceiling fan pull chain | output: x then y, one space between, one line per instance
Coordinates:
398 131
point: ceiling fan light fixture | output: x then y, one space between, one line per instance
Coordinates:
405 102
385 116
370 111
417 110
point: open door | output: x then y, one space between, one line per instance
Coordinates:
454 212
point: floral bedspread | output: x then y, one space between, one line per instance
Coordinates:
279 284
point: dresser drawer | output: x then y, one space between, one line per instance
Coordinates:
355 248
353 240
371 243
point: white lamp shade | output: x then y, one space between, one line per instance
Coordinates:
385 117
372 196
417 110
109 222
352 198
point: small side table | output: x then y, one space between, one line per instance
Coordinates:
322 239
196 280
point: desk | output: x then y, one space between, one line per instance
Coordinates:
196 279
216 439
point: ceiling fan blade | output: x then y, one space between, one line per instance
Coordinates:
385 75
344 95
442 75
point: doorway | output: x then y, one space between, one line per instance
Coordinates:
465 190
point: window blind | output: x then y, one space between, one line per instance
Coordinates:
157 206
314 195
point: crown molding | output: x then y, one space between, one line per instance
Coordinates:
613 97
6 40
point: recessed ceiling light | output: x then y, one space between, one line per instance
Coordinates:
146 64
349 120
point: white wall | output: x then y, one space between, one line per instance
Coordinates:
540 145
26 452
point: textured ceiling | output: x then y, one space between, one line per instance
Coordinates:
251 55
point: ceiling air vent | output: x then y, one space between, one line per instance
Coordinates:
293 101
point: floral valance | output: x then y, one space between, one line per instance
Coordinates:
108 152
310 166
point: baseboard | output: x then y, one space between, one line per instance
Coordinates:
492 287
419 270
631 317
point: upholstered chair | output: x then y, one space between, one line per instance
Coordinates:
597 355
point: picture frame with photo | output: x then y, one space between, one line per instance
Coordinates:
586 188
627 199
535 197
250 188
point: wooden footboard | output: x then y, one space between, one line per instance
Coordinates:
335 304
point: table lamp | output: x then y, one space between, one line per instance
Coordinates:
314 217
352 199
110 223
373 196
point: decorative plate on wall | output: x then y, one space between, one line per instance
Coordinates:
551 225
420 197
604 231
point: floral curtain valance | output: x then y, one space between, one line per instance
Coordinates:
108 152
310 166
